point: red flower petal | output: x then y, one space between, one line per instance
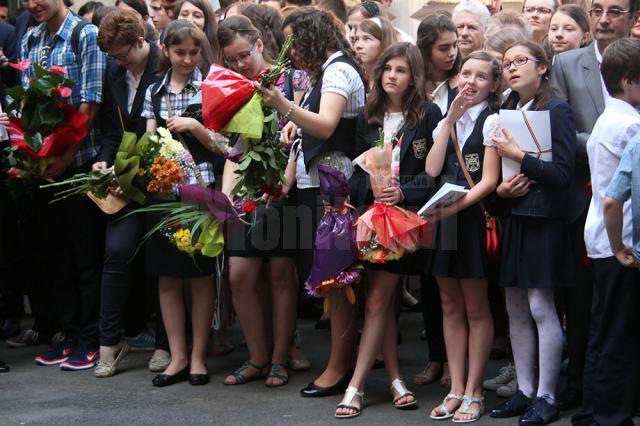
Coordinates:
249 206
63 91
59 70
22 65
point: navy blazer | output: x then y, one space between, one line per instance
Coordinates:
416 185
548 195
116 96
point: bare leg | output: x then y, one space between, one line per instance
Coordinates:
202 298
172 306
480 336
379 305
243 275
456 336
343 333
284 303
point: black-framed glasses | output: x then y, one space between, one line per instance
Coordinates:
243 57
613 13
518 62
122 56
530 10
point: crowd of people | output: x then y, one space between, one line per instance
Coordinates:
561 293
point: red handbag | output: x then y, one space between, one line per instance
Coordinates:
492 224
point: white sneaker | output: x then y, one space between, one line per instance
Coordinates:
507 374
159 361
508 390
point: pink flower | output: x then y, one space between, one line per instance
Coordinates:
22 65
14 173
63 91
59 70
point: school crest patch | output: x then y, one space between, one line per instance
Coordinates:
473 162
420 149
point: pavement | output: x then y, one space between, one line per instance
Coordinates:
32 394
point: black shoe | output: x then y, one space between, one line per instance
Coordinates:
570 398
198 379
4 368
514 406
314 391
162 380
540 413
9 328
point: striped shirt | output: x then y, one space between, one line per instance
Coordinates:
87 71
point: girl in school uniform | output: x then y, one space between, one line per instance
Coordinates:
535 241
396 105
182 50
460 263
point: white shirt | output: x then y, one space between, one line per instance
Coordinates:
132 88
441 96
392 123
614 128
605 92
464 126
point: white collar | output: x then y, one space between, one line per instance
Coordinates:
331 58
619 106
472 113
598 54
525 107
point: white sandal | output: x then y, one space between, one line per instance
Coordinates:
346 402
401 389
465 409
443 407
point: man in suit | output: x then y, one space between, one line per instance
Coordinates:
577 74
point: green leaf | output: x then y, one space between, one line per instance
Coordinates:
254 155
50 115
40 72
44 86
272 162
16 92
34 141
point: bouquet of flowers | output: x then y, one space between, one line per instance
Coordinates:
250 132
42 123
386 232
151 167
335 257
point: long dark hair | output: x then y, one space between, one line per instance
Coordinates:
495 98
240 26
546 92
428 32
210 25
316 33
269 22
179 31
413 97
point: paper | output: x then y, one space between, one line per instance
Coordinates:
3 130
446 195
513 121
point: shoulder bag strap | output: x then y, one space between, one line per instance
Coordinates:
196 170
465 171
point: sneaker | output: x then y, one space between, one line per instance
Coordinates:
159 361
144 341
9 328
507 374
509 389
55 354
110 368
81 358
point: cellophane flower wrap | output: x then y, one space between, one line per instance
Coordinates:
335 255
42 123
386 232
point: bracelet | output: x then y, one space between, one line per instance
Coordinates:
291 105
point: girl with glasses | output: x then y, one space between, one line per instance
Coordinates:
538 14
535 240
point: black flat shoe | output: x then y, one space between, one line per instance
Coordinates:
162 380
4 368
540 413
517 405
570 398
198 379
315 391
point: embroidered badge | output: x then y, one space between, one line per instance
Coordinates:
420 149
473 162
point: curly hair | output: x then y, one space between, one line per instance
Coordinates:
269 22
316 33
413 97
122 27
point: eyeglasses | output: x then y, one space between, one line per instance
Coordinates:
613 13
519 62
539 10
243 57
122 56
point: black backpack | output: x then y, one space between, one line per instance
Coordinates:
75 39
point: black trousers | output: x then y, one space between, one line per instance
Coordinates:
73 234
612 370
432 318
125 289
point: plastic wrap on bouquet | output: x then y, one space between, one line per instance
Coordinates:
224 92
386 232
335 250
216 202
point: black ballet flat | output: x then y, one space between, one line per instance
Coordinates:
314 391
198 379
162 380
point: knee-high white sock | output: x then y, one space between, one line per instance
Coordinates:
523 338
544 313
